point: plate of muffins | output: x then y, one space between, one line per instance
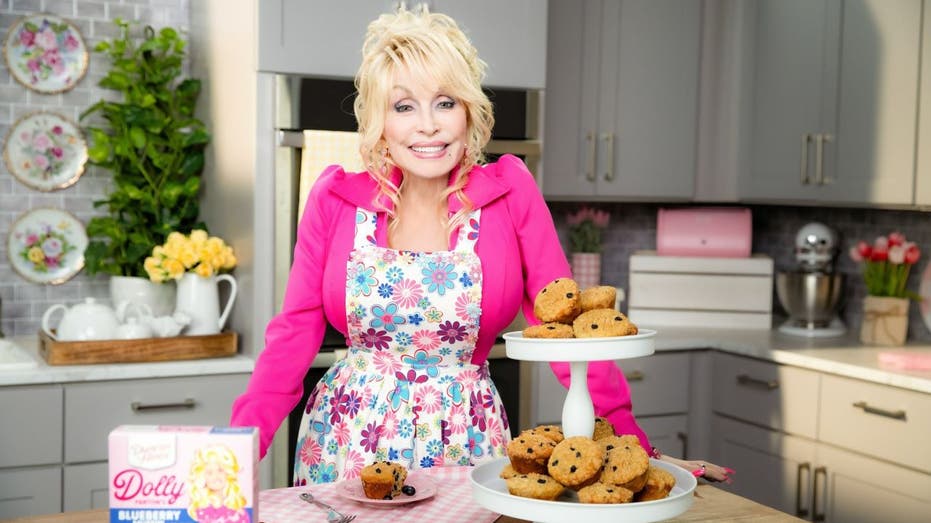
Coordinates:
606 477
386 484
583 321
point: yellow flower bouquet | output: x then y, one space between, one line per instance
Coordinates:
198 253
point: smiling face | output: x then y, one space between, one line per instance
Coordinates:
425 129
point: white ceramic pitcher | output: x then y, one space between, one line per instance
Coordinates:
199 298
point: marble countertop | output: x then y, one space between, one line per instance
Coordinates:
843 356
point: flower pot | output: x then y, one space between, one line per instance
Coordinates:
199 298
885 320
160 297
586 269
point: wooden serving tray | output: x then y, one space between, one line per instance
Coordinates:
137 351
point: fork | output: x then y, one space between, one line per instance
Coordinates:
333 515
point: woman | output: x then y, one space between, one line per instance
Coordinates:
420 262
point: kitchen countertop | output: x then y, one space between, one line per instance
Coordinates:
711 504
844 356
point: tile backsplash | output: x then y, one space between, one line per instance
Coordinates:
633 228
25 302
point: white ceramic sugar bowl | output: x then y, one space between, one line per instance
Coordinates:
82 322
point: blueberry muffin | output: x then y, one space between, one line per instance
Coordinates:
659 483
536 486
600 297
558 302
383 479
603 429
508 472
576 462
530 453
553 432
549 330
626 465
602 493
598 323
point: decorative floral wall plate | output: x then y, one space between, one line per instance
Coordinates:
47 246
45 53
45 151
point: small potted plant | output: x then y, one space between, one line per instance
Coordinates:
585 226
152 143
886 266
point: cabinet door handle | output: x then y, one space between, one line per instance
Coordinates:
590 161
137 406
609 156
820 140
799 511
867 408
750 381
684 438
635 376
815 516
803 168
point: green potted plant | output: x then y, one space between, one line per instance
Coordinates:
151 142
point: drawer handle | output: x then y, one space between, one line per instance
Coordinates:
894 414
815 515
806 467
140 407
743 379
684 438
635 376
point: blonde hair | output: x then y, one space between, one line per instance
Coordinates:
201 496
431 47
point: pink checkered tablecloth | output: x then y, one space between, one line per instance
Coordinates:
452 503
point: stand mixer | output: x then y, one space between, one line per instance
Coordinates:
812 293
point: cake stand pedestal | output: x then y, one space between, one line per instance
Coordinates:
578 419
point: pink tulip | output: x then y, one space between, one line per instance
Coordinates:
912 253
855 254
881 243
896 238
896 254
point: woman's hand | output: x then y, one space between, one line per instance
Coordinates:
702 469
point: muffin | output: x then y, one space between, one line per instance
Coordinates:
602 493
530 452
626 465
536 486
558 302
659 483
383 479
576 462
603 428
600 297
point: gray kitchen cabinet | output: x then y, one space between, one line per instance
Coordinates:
864 456
29 491
835 91
324 37
659 388
54 451
923 158
621 103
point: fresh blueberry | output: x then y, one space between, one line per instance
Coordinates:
409 490
387 496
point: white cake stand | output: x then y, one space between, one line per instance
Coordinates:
578 415
578 419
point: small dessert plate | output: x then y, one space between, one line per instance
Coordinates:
352 489
47 246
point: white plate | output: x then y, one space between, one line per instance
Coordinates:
925 291
45 53
579 349
47 246
352 489
491 492
45 151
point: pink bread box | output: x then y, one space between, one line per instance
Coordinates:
713 232
161 473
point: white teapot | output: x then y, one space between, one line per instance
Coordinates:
82 322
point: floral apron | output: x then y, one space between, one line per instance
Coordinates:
407 390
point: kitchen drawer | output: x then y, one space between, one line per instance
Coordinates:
31 428
92 410
659 384
86 486
771 395
669 434
29 492
885 422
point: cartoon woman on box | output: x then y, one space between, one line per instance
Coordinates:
215 493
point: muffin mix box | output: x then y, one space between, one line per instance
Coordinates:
161 473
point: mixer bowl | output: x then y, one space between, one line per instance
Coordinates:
810 298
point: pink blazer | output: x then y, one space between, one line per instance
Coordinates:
520 253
